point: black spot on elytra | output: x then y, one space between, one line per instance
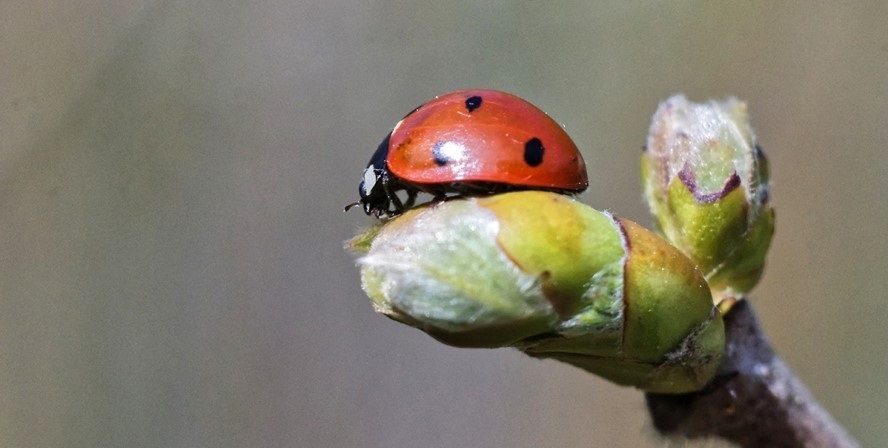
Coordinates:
473 103
533 152
440 158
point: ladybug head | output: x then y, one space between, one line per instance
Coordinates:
374 198
375 186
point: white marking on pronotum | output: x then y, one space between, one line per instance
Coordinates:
369 180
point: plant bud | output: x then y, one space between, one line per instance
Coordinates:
706 182
553 277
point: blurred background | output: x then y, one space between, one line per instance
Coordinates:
172 176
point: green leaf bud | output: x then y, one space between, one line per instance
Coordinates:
553 277
706 182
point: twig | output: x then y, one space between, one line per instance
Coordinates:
755 401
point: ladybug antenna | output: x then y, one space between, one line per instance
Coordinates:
350 206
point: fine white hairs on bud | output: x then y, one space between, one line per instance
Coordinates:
711 146
445 269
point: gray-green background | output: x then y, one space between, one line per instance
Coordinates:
172 176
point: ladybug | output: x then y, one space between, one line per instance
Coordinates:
470 142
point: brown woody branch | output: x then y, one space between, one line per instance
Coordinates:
755 401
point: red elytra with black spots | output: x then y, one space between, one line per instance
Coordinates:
470 142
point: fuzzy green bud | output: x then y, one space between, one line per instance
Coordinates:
706 182
552 277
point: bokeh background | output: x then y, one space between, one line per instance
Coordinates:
172 176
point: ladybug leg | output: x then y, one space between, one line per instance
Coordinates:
388 187
397 204
411 198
